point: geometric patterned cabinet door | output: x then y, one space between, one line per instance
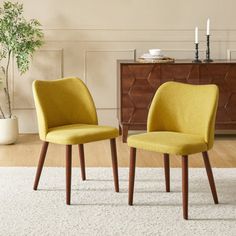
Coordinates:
138 82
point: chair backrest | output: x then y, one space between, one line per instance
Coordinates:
185 108
62 102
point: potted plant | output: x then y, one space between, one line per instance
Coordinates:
19 39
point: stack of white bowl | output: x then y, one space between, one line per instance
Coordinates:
154 53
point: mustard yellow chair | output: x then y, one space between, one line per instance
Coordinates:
67 115
181 121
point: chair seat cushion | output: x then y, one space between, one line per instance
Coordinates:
168 142
80 133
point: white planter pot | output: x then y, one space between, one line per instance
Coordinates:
8 130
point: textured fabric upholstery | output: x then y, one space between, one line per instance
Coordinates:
169 142
80 133
181 119
67 114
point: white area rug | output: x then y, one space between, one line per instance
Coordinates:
97 210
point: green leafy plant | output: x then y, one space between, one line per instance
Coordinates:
19 38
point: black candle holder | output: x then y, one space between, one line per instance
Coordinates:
196 60
208 58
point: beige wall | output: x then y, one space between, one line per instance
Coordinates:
84 38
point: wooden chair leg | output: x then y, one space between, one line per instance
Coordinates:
167 171
82 162
40 164
132 174
68 173
210 176
185 186
114 164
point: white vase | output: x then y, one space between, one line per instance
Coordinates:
8 130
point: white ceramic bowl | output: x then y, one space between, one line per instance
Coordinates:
155 52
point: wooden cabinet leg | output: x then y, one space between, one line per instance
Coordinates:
120 130
125 133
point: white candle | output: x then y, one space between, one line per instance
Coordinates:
196 34
208 26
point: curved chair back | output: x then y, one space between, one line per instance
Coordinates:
185 108
63 102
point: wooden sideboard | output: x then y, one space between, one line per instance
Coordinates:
138 82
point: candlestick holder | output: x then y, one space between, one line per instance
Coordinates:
196 60
208 58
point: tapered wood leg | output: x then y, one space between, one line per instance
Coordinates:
210 176
125 130
120 130
185 186
82 162
132 174
40 164
68 173
114 164
167 171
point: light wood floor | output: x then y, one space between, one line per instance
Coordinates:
26 152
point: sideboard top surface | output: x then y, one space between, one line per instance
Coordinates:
177 62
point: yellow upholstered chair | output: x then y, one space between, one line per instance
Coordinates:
67 115
181 121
